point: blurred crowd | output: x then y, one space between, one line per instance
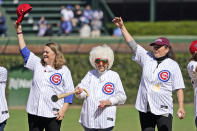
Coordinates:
86 22
82 21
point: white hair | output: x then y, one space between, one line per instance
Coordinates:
104 52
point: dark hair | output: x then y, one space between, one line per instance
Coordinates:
170 53
194 57
59 57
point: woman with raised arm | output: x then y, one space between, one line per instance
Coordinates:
161 76
51 77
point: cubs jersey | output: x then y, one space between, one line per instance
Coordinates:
108 86
4 115
191 67
158 81
46 82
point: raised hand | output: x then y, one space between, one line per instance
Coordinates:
118 22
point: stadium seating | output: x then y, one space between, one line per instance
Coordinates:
50 9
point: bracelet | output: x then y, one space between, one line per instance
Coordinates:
19 33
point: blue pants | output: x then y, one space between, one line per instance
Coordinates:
196 122
2 125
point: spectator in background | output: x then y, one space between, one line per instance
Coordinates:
49 31
96 23
77 14
67 13
85 30
88 14
96 27
42 24
98 14
3 27
65 26
117 32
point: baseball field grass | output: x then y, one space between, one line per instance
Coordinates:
127 119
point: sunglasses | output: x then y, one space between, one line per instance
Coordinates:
98 60
156 47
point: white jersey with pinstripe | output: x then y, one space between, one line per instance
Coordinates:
46 82
157 83
191 68
106 87
4 115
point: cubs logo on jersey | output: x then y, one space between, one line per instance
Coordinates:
56 78
164 75
108 88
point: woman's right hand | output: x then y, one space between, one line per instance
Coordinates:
118 22
79 90
18 27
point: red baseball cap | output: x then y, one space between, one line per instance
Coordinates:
193 47
161 41
22 9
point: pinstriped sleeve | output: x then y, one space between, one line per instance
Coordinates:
191 67
68 85
119 97
32 61
178 82
3 75
140 55
84 84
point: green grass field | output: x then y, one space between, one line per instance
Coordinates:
127 120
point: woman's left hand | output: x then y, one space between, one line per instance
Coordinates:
104 103
181 113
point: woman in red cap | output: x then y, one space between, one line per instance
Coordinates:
192 70
161 76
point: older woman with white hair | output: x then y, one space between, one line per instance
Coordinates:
105 92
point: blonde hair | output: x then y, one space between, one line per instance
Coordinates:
104 52
59 57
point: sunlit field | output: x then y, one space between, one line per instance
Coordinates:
127 120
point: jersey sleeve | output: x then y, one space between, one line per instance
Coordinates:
177 78
25 52
191 68
68 85
119 97
3 75
84 84
32 61
140 55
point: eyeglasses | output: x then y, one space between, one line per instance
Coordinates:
156 47
98 60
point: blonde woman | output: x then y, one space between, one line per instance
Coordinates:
51 77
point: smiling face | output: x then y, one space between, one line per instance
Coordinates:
49 56
160 51
101 64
